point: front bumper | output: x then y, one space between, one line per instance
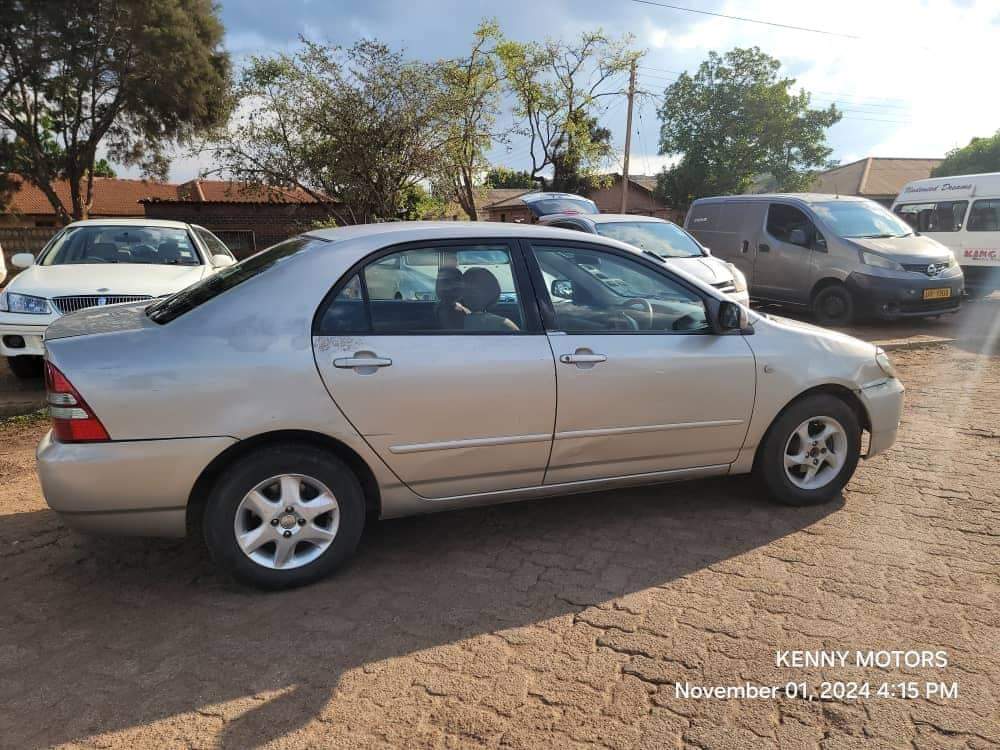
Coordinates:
139 488
892 297
884 403
31 335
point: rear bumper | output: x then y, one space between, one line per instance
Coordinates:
130 487
884 403
890 298
30 335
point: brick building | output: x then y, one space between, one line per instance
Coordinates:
877 178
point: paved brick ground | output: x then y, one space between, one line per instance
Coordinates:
558 623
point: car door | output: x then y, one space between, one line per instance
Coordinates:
437 357
783 269
644 384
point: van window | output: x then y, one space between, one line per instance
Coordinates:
985 216
782 220
943 216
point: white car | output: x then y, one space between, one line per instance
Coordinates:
663 240
3 268
99 262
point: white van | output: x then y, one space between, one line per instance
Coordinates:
962 213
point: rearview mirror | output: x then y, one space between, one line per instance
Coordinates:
562 288
22 260
798 237
731 317
222 261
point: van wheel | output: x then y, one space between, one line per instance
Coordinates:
810 452
25 366
834 306
284 516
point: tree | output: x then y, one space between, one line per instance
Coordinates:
502 177
128 76
981 155
736 118
359 125
557 87
472 89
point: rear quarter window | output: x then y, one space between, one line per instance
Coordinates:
704 216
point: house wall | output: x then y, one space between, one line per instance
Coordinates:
246 227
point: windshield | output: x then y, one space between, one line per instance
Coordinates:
121 244
168 308
856 219
662 238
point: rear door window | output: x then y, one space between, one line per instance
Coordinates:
985 216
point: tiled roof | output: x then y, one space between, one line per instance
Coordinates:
112 197
873 176
229 191
499 197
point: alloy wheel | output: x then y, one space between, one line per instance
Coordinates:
815 453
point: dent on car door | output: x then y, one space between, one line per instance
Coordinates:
437 358
643 383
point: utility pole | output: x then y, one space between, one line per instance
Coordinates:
628 137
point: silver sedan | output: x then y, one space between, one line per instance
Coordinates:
387 370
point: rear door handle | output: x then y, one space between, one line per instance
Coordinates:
764 248
352 362
581 359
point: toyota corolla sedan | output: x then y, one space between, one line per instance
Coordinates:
275 406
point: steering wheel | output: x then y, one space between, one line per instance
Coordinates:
631 305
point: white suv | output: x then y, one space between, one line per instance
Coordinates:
94 263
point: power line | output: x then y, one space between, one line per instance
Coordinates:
748 20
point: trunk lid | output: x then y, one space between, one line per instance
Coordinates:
130 316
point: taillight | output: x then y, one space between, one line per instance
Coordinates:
72 420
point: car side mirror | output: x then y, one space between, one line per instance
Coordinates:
222 261
22 260
798 237
731 317
562 288
707 250
820 243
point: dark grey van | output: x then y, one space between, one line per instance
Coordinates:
840 256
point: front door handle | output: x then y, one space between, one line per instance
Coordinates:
356 361
764 248
745 247
582 359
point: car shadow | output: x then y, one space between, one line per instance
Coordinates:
102 634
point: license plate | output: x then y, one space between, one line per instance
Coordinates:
937 293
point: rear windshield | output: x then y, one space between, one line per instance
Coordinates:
169 308
121 244
666 240
544 205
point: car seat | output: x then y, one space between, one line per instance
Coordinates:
481 291
449 288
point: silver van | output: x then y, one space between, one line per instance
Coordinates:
840 256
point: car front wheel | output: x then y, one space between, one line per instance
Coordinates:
811 451
834 306
284 516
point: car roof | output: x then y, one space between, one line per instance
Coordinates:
164 223
603 218
800 197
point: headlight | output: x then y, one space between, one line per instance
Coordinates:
882 360
879 261
951 260
23 303
739 280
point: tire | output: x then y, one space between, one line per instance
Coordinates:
834 306
229 508
26 366
836 466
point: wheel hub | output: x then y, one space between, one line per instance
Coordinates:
288 521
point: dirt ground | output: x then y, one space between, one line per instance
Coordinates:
547 624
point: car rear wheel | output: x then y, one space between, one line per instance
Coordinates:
811 451
26 366
284 516
834 306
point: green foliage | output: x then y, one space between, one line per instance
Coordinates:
359 126
103 169
557 87
420 203
736 118
502 177
981 155
129 76
472 87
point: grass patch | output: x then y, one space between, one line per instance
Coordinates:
26 420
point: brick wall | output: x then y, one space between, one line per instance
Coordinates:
245 224
15 240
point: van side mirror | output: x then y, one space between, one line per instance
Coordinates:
22 260
730 317
820 243
798 237
561 288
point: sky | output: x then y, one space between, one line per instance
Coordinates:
918 79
